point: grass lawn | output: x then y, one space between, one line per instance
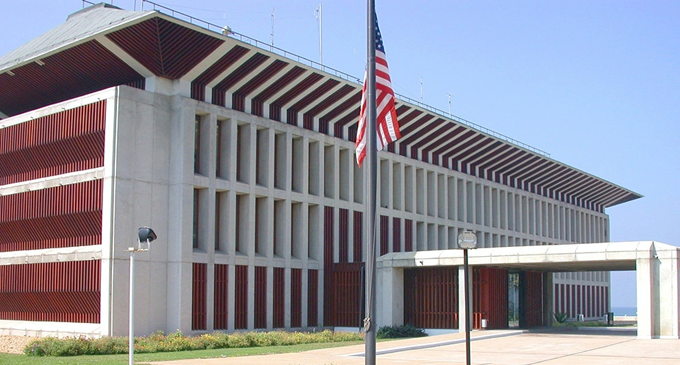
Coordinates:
164 356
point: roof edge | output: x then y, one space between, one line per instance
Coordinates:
92 7
56 47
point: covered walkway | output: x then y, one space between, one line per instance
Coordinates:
656 266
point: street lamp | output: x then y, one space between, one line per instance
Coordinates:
467 240
145 236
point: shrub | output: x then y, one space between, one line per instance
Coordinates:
159 342
109 345
406 330
581 324
560 317
51 346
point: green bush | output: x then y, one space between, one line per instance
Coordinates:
560 317
581 324
406 330
159 342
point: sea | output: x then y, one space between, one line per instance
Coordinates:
624 311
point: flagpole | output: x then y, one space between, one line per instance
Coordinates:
370 178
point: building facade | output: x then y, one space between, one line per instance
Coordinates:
242 160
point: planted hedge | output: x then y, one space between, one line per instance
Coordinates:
159 342
404 331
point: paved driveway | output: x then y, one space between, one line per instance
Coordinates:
487 348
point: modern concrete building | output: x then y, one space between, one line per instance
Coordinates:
240 156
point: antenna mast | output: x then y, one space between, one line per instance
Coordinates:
449 103
271 48
318 15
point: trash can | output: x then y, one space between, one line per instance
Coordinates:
484 324
610 318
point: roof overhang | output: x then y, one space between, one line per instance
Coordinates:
105 47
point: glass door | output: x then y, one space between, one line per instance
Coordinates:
513 299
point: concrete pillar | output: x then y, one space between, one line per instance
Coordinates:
669 294
647 274
461 298
548 298
391 296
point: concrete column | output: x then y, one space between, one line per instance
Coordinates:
647 270
461 298
669 295
548 298
391 296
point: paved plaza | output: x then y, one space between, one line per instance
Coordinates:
488 348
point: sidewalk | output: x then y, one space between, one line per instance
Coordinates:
488 348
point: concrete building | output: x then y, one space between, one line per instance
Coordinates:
241 159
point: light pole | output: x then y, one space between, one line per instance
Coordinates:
467 240
146 235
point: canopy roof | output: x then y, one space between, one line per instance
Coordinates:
609 256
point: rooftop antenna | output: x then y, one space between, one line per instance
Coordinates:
272 33
318 15
422 98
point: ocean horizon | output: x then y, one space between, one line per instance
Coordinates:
624 311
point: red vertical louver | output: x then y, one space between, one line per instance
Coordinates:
68 141
343 239
198 297
491 296
431 297
384 235
279 297
328 265
54 292
312 298
396 234
358 236
533 299
347 294
408 235
260 297
241 298
296 298
221 296
63 216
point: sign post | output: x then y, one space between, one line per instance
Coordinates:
467 240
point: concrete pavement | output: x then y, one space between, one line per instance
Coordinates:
487 348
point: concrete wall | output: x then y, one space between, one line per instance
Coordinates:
136 193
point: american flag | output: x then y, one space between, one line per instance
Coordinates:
386 117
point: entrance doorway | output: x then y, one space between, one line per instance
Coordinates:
513 299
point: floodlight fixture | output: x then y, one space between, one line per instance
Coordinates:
146 234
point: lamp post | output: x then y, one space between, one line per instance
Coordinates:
467 240
145 236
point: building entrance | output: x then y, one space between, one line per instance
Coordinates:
513 299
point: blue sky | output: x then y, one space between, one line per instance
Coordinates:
594 83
